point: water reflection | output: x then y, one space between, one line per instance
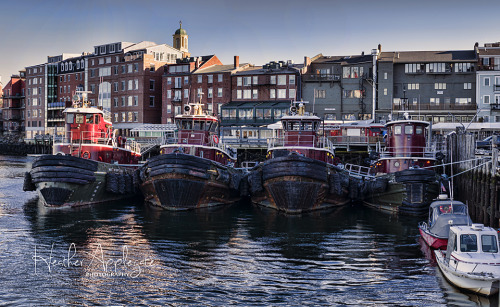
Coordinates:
239 255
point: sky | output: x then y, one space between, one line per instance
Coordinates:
256 30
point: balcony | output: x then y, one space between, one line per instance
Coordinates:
320 77
436 107
495 106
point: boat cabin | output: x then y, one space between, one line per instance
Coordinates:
300 130
472 239
87 125
444 213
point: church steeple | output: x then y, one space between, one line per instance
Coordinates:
181 39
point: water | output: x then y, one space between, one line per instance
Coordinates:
128 254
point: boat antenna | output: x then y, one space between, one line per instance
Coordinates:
451 173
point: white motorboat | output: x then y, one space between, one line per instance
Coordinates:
472 259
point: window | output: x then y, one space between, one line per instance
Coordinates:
115 86
464 67
136 116
273 79
200 78
169 81
281 80
169 94
123 101
436 67
219 77
151 101
439 86
414 68
219 92
247 81
238 94
497 99
210 78
486 81
291 79
123 117
210 93
169 108
415 101
434 101
408 129
489 244
319 93
115 101
385 76
130 101
467 86
124 70
486 99
282 93
186 93
123 85
130 85
272 93
486 61
136 67
468 243
463 100
413 86
129 68
116 117
385 92
255 80
247 94
497 80
397 130
136 100
291 94
255 94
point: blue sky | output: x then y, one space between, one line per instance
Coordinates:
258 31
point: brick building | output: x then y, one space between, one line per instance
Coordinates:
125 79
13 104
261 95
181 86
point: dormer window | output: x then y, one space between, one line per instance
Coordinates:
112 48
102 50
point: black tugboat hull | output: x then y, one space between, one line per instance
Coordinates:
182 182
67 181
408 192
296 184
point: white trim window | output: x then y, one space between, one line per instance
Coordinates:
219 92
486 81
486 99
497 99
467 86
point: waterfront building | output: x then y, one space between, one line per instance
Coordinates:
261 95
181 86
13 96
125 79
340 87
488 82
429 85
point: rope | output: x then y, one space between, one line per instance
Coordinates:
471 169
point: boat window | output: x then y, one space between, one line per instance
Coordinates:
307 126
459 209
97 119
187 125
408 129
397 130
468 243
489 244
199 125
89 118
419 129
79 118
444 209
70 118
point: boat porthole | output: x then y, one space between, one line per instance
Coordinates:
396 164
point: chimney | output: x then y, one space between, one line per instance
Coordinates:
197 63
379 48
362 53
236 61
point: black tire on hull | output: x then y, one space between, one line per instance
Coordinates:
68 169
59 160
28 184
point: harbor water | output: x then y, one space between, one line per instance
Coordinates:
127 254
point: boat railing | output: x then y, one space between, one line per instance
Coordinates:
301 141
409 151
198 139
358 170
355 140
91 137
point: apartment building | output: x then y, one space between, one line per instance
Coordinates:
437 86
261 95
340 87
488 82
181 86
13 104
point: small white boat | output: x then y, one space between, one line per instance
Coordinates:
472 259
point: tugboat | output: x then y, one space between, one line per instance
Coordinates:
300 173
403 180
472 259
89 163
443 213
195 170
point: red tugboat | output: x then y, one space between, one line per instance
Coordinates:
402 181
300 174
89 164
195 170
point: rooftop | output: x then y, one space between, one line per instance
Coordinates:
428 56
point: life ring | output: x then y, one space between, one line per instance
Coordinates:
215 139
86 155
